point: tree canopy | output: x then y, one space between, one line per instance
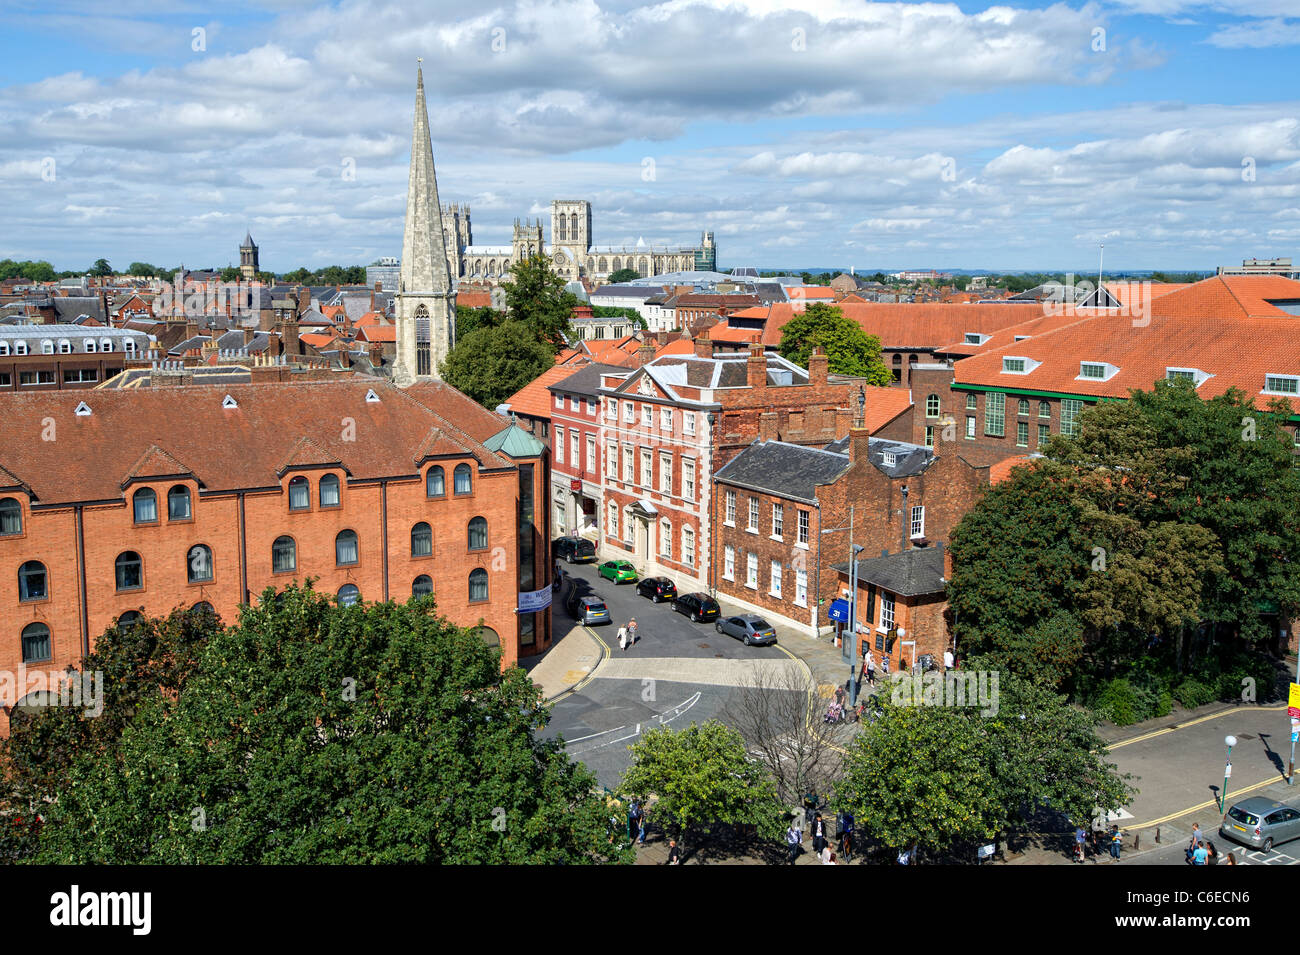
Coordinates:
536 298
623 275
491 363
849 350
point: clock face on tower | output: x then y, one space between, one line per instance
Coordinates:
559 258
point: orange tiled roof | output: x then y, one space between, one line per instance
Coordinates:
815 293
377 333
533 399
910 324
678 346
474 298
616 351
884 405
135 432
317 340
722 332
1224 326
1002 470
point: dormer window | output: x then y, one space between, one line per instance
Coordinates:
1018 366
90 346
65 347
975 338
1281 384
1096 371
1194 375
888 458
20 348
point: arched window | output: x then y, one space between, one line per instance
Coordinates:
284 555
145 504
478 585
198 564
345 548
561 228
421 540
478 533
128 571
1044 409
299 494
32 584
422 587
178 503
89 346
65 347
129 619
617 263
435 483
47 347
4 349
203 609
329 490
604 264
464 483
105 344
11 517
349 595
1022 407
932 406
36 643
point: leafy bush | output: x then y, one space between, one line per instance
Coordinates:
1247 666
1192 693
1122 703
1164 704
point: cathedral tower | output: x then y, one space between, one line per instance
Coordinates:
248 258
426 301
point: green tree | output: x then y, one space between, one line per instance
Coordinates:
849 350
470 320
618 311
142 270
231 274
703 775
535 297
315 733
101 268
491 364
623 275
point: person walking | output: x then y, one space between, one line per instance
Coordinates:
869 665
1080 843
792 840
827 857
674 853
809 807
1200 855
948 662
642 824
884 667
1116 842
846 836
797 815
1194 844
622 638
633 632
819 833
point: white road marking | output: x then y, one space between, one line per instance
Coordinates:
661 719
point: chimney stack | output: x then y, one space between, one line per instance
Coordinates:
703 347
769 426
304 300
817 366
756 366
859 436
645 354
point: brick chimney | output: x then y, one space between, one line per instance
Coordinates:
859 436
756 366
249 335
817 366
304 300
769 426
703 347
644 354
191 327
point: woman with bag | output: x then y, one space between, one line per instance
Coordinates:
622 638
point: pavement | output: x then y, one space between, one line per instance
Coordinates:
570 661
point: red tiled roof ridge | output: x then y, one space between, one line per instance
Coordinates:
155 462
468 442
307 453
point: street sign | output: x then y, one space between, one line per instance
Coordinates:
1293 701
1227 771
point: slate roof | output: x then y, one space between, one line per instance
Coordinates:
585 381
909 459
787 470
68 307
912 573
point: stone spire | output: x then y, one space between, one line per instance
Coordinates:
425 287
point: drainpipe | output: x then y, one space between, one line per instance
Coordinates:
383 530
81 585
243 553
902 544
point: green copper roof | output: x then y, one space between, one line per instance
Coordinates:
513 441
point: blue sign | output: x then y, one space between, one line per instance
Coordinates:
838 610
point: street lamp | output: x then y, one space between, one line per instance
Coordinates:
851 640
1228 741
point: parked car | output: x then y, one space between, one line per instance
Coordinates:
618 571
749 627
657 588
700 607
590 609
1260 823
574 550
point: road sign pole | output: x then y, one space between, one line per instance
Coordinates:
1293 711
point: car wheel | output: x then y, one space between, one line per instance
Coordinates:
568 559
717 627
695 618
655 598
746 639
1268 845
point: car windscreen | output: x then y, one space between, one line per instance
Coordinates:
1243 817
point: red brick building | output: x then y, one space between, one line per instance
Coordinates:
576 449
120 503
901 607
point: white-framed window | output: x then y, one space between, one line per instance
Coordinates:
972 402
629 465
665 540
627 523
647 416
611 409
613 520
752 525
89 346
1282 384
688 479
647 469
995 407
801 588
1070 409
729 563
1015 366
886 611
666 419
888 458
574 448
775 588
803 528
975 338
575 403
751 570
688 422
4 349
591 453
65 347
559 445
918 520
561 518
559 400
929 436
105 344
666 472
47 347
1022 434
629 412
688 546
611 459
1092 369
970 427
932 406
778 521
730 519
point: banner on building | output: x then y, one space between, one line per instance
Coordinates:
531 601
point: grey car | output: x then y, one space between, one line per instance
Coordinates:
749 627
590 609
1260 823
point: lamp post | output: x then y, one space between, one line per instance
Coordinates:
1229 741
851 641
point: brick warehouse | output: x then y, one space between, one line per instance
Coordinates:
784 514
119 503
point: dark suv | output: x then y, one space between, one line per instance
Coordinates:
700 607
657 588
574 550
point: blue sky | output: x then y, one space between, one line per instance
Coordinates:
811 132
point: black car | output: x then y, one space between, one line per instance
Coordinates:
574 550
700 607
657 588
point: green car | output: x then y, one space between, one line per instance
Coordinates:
618 571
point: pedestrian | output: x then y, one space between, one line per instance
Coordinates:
905 855
819 833
839 695
827 857
792 840
1116 842
846 837
1230 859
884 666
948 662
1196 834
797 815
1080 843
1200 855
622 638
633 633
1212 854
674 853
642 825
632 826
809 807
869 663
1194 844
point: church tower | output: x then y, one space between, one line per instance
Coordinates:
248 258
426 301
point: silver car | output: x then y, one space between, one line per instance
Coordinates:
749 627
590 609
1260 823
